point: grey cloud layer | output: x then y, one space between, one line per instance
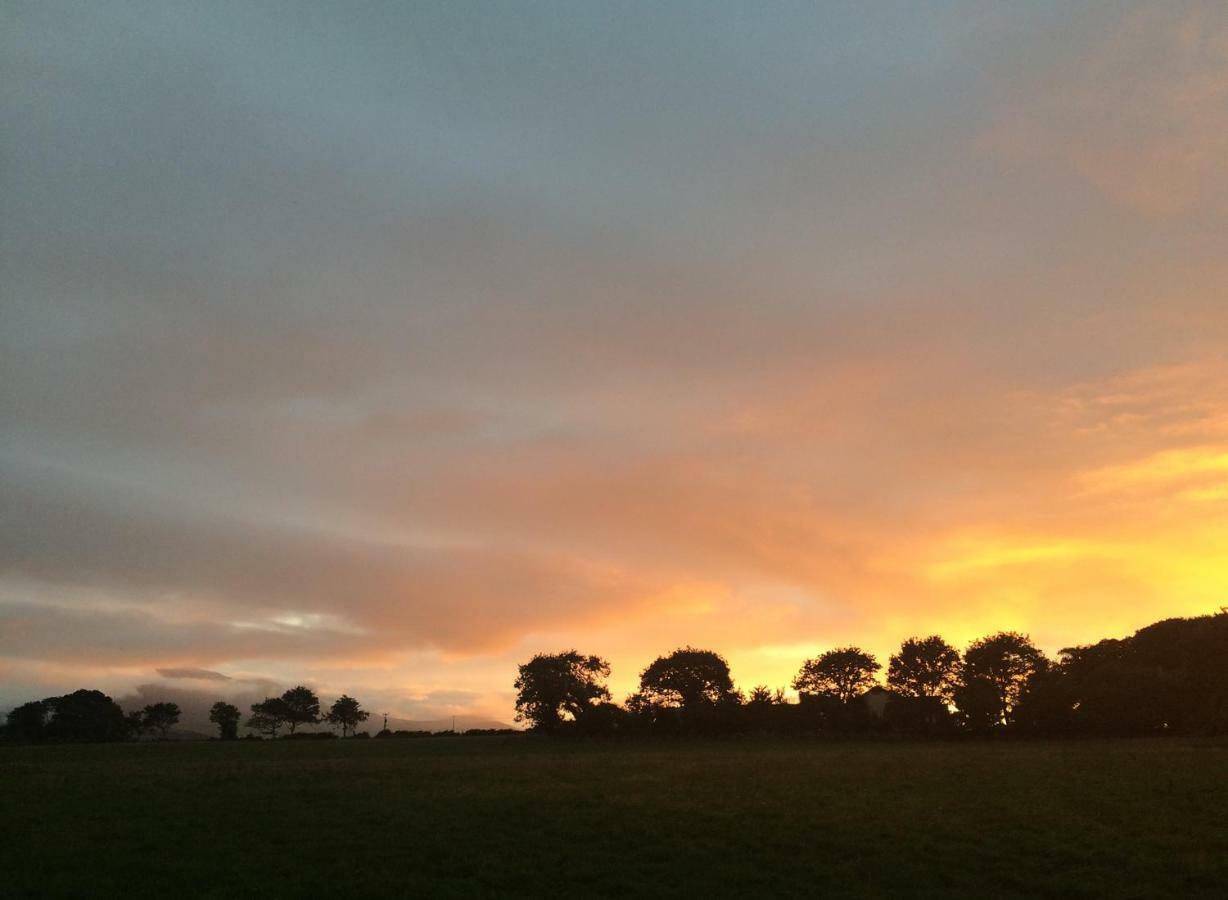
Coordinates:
392 327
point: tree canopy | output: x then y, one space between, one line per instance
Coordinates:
924 668
226 717
301 707
28 723
160 717
554 687
998 667
346 712
268 716
843 674
687 678
85 715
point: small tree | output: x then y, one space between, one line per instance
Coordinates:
226 717
553 685
135 724
302 707
160 717
760 695
766 709
347 713
268 716
844 674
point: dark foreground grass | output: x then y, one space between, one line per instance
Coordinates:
500 817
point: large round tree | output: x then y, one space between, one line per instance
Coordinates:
554 687
995 674
687 678
844 673
924 668
348 713
302 707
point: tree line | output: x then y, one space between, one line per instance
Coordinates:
92 716
1168 678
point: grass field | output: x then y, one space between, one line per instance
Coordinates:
461 817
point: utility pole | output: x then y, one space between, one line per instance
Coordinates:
385 721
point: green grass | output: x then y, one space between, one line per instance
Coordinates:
505 817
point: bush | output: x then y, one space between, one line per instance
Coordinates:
385 733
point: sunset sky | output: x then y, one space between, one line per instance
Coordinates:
377 346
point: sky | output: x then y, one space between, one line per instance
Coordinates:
380 346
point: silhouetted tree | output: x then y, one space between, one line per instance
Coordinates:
688 678
1002 664
603 719
1046 706
346 712
844 674
551 686
268 716
28 722
85 715
649 715
766 709
759 707
760 695
1187 661
1170 677
1113 689
160 717
226 717
978 705
924 667
302 707
923 677
688 690
135 725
